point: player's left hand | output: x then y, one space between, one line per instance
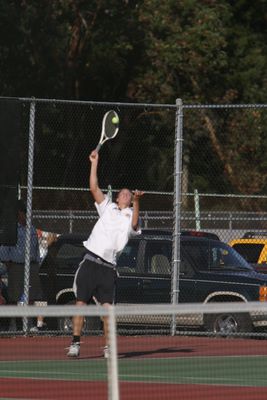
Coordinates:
93 157
137 194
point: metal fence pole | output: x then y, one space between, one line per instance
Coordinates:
71 221
197 210
110 192
29 210
177 208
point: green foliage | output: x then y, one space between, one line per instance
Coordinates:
185 50
208 51
66 49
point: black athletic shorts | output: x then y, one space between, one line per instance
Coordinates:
94 279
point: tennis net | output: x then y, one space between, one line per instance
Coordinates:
228 359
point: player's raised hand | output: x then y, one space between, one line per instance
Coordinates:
137 194
93 157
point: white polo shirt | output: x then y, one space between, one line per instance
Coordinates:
111 232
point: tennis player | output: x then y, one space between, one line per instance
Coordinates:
96 274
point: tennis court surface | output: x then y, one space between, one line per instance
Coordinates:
150 367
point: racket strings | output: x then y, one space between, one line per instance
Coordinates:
110 127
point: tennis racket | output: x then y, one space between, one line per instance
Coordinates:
110 127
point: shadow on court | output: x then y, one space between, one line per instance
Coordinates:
161 352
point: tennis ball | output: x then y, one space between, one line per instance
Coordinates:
115 120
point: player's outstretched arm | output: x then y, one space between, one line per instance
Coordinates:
97 193
135 219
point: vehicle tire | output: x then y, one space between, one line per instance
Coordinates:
228 324
92 325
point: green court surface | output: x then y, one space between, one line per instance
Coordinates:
223 370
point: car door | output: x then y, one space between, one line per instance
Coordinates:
197 252
156 281
130 271
187 277
157 285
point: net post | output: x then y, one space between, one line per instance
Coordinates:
112 361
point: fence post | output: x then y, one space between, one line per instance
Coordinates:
146 219
177 208
70 221
110 192
230 222
29 209
197 212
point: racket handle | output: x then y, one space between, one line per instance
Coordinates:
98 147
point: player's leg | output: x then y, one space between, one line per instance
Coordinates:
83 287
105 296
78 320
106 332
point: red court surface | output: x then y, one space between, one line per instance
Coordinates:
31 389
47 348
129 348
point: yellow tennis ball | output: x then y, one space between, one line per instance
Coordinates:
115 120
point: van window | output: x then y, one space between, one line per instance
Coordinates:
158 257
127 259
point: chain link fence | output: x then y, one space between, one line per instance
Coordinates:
201 168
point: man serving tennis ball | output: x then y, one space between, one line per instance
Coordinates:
96 275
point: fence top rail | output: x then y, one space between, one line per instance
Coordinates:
224 106
148 105
92 103
79 189
229 195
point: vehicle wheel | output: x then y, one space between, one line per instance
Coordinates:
228 324
91 325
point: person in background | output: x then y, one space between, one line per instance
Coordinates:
49 240
3 288
13 257
3 269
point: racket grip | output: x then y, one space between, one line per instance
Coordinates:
98 147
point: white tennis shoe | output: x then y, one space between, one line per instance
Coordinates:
106 352
74 350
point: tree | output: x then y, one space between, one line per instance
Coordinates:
67 49
206 52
